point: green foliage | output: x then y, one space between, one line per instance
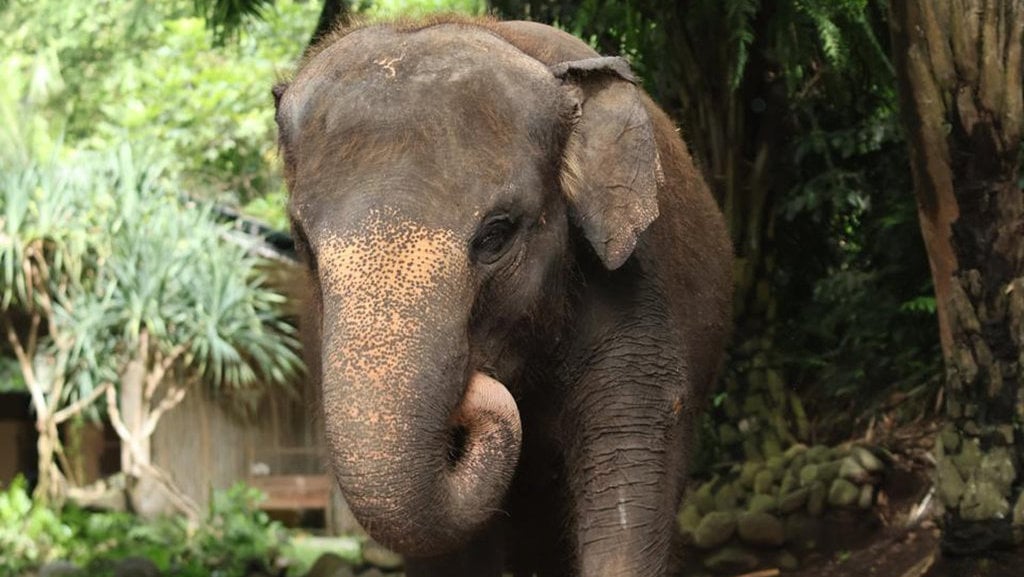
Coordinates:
122 254
233 538
29 535
130 70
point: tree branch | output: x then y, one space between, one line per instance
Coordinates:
173 398
76 407
114 413
25 363
161 364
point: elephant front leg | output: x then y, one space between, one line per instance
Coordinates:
627 469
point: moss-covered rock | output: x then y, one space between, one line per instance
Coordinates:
868 460
763 529
867 497
748 472
817 454
727 497
816 499
851 470
968 459
997 468
794 500
808 474
1018 512
704 498
949 483
789 482
715 529
763 504
763 481
983 500
842 493
730 560
688 519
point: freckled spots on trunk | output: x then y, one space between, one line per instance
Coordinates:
383 276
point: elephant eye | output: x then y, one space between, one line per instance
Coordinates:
493 238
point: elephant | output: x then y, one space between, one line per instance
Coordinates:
520 294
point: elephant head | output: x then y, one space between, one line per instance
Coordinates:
439 180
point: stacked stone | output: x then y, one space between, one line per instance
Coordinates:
764 513
976 481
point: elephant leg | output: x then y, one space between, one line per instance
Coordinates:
481 557
631 419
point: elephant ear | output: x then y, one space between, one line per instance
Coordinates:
610 167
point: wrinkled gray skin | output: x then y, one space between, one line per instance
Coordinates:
521 292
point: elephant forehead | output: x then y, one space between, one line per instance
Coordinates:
389 280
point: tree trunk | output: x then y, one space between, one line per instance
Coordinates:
49 487
333 14
959 72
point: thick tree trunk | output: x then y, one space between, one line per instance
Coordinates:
959 69
49 486
333 14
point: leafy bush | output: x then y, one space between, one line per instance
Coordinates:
30 536
232 539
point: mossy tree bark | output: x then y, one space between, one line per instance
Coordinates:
959 72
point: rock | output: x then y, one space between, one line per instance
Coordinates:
688 520
949 483
793 451
715 529
377 555
843 493
136 567
816 499
817 454
60 569
829 471
727 497
851 470
949 439
762 504
794 500
371 572
330 565
808 474
868 460
983 500
997 468
787 561
748 473
762 529
776 465
789 482
763 482
867 497
969 458
704 498
732 559
771 447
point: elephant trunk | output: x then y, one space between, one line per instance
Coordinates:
423 446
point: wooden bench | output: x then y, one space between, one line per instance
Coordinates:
293 492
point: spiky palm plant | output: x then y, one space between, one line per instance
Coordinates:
122 291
